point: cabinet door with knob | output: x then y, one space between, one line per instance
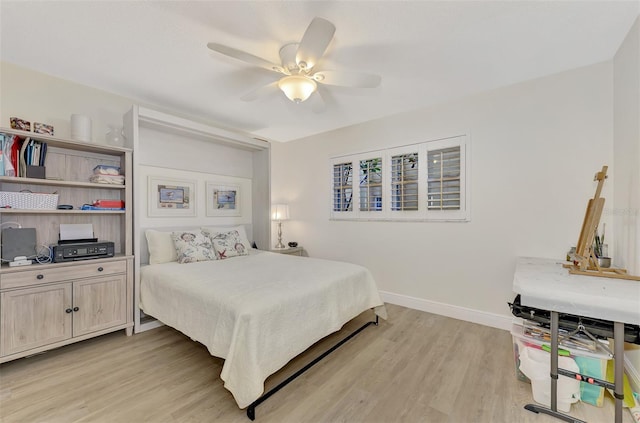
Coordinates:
99 303
48 306
34 317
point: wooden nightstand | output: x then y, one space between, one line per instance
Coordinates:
294 251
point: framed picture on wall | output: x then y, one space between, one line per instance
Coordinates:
171 197
223 199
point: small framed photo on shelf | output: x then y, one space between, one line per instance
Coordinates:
171 197
21 124
223 199
42 128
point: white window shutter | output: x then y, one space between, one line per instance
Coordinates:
425 181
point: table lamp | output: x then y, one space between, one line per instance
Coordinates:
279 212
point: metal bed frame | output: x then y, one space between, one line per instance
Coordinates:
251 409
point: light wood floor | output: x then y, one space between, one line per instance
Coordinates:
415 367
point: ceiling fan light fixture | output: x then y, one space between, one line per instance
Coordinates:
298 76
297 88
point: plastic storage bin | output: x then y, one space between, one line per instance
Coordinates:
590 363
536 364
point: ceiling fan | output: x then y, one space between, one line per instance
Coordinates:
300 79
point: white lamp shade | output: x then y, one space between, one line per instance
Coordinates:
280 212
297 88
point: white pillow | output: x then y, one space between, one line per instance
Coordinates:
161 247
192 246
242 233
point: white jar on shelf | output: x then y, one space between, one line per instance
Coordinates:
81 128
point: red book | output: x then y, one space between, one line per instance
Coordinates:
15 152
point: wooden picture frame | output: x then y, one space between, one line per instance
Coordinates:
223 199
171 197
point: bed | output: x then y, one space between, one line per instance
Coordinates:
248 309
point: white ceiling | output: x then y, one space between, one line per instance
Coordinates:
427 52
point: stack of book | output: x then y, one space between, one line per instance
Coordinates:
19 156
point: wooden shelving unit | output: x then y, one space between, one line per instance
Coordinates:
71 301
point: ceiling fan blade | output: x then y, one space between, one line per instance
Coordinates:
348 79
245 57
263 91
318 105
314 42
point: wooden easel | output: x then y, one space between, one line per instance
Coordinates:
585 261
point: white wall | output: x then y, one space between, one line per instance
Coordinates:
37 97
159 147
535 148
626 150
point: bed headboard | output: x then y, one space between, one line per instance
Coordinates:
143 254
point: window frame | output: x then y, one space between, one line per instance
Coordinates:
406 214
340 162
423 213
463 213
370 214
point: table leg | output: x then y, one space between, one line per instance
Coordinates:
618 339
554 360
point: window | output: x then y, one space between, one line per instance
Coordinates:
342 187
443 183
426 181
371 184
404 181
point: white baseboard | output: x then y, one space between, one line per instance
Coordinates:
481 317
455 312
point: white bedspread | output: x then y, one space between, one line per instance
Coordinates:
257 311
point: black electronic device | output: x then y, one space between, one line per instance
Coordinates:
82 251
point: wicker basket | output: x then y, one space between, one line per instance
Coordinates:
28 200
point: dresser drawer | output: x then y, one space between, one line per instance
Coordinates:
47 274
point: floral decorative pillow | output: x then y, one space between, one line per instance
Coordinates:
229 244
192 246
211 231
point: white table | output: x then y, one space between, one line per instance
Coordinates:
292 251
545 284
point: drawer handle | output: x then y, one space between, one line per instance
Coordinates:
76 308
68 310
40 277
100 269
